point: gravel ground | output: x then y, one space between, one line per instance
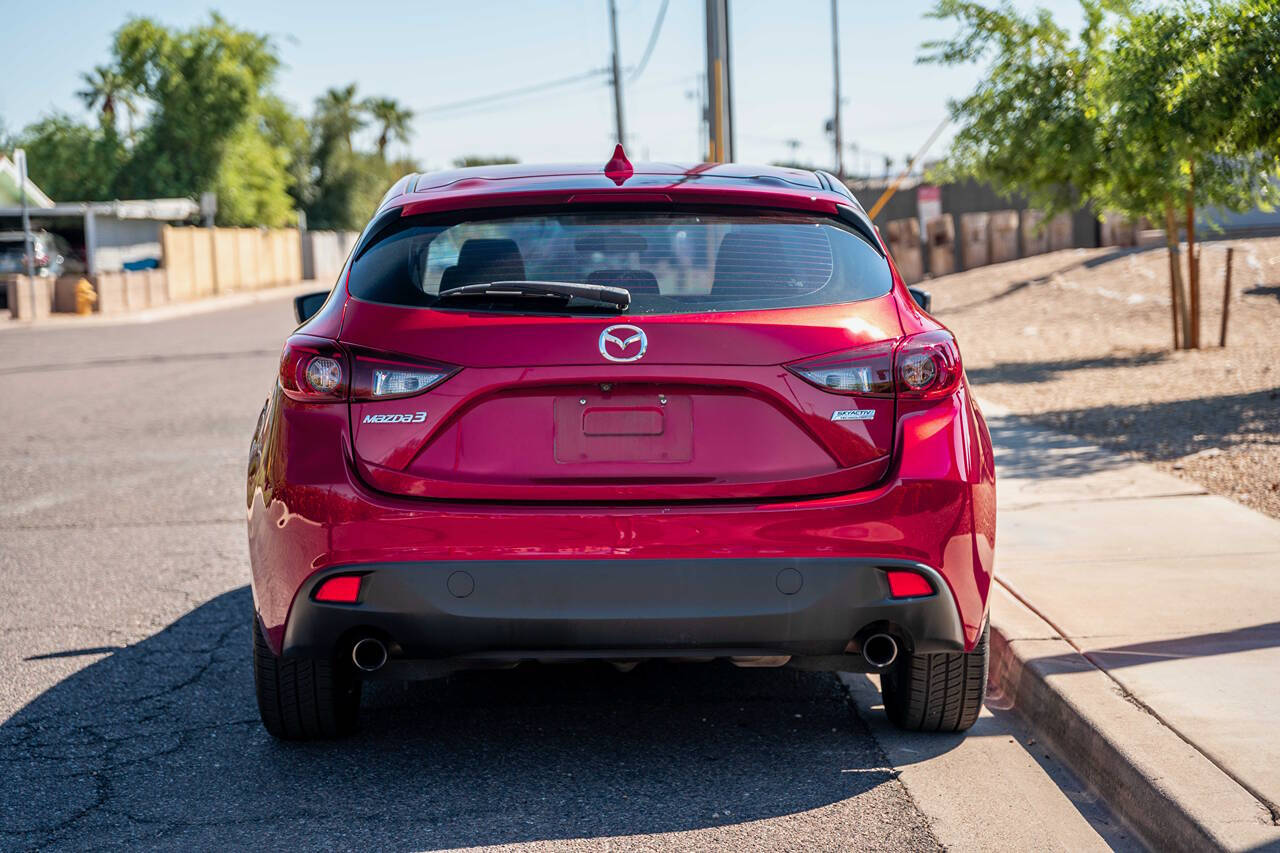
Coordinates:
1079 341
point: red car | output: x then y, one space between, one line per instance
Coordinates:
619 413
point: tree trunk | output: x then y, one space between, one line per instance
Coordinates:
1177 299
1193 261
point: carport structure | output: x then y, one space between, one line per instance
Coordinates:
114 235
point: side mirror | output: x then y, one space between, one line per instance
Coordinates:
922 297
306 305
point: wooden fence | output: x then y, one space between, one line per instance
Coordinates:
202 262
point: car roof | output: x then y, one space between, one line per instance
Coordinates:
570 175
616 176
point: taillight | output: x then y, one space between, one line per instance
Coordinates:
866 371
318 370
922 366
928 365
379 377
313 370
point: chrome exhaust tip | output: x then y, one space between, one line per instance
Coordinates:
369 654
880 650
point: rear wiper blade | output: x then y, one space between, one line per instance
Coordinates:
619 296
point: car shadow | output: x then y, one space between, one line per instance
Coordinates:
1246 639
159 744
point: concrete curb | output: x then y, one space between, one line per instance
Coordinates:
170 311
1166 790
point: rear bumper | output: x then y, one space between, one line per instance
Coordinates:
310 515
460 611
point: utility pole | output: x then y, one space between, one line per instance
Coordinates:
28 250
617 73
835 62
719 84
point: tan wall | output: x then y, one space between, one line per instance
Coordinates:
1004 236
64 293
974 228
1118 231
112 290
904 242
118 292
1035 234
1061 232
202 262
20 289
324 253
941 233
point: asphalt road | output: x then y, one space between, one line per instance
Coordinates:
126 707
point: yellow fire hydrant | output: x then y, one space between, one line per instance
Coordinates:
86 296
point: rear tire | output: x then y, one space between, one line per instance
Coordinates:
303 698
937 692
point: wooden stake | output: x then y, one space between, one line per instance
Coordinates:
1193 262
1177 298
1226 298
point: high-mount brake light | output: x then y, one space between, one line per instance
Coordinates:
922 366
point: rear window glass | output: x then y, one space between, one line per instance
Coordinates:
670 262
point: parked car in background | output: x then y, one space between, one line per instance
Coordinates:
622 414
50 253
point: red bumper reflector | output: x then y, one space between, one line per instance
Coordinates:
908 584
343 589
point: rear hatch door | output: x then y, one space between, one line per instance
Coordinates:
538 412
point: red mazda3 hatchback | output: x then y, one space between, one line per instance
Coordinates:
619 413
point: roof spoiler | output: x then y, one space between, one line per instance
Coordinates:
854 217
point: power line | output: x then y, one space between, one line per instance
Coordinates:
484 107
653 41
512 93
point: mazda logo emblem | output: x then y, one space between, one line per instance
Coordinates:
623 343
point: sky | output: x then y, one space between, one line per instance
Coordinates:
434 53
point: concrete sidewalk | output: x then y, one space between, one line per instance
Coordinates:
1138 624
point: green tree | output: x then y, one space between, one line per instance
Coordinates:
287 131
391 119
107 90
1149 112
1027 128
349 186
339 115
1189 117
204 83
482 160
70 160
253 180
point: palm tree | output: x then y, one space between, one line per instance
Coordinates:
106 89
393 121
338 112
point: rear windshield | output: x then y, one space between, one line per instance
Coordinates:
671 263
